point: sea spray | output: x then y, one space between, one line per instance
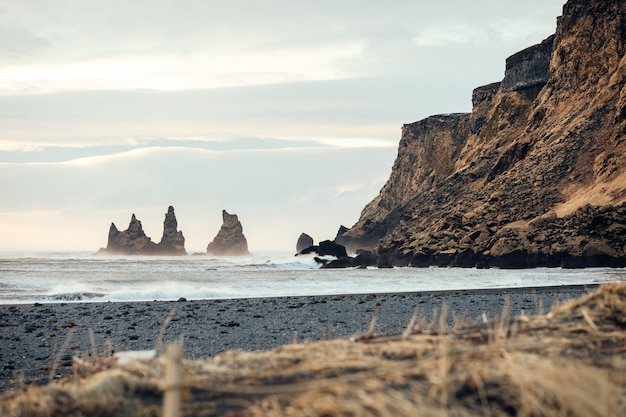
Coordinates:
42 277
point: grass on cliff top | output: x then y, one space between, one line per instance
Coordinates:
569 362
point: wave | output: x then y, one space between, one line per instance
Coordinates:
158 294
75 296
270 274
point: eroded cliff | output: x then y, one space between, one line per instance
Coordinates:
534 175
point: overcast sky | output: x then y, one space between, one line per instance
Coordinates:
287 113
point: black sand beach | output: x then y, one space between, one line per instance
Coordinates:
33 336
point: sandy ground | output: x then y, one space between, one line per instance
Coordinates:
34 337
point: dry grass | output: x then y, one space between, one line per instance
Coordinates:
569 362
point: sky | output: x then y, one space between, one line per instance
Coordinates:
285 112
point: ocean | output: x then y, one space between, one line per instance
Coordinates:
81 276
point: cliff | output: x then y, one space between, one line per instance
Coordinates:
533 176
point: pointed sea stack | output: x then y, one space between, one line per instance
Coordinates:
230 240
173 241
133 241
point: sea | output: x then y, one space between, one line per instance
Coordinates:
50 277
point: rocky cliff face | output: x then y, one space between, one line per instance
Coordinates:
534 175
133 240
230 240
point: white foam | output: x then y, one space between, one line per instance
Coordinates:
128 278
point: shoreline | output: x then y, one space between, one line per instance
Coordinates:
32 335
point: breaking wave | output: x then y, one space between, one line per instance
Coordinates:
82 277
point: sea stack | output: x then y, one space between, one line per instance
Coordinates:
172 241
230 240
133 240
304 241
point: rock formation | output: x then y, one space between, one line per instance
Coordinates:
133 241
535 175
230 240
304 241
330 248
172 242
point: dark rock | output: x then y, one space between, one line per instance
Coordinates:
345 262
399 259
445 258
342 229
573 262
384 262
365 258
484 95
311 249
528 68
172 242
304 241
230 240
514 259
464 259
421 260
328 247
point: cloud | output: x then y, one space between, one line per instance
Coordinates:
337 112
188 44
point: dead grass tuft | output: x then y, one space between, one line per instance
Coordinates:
568 362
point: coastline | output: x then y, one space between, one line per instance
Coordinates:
32 335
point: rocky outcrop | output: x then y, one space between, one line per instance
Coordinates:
330 248
341 259
529 68
230 240
133 240
535 175
172 242
304 241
